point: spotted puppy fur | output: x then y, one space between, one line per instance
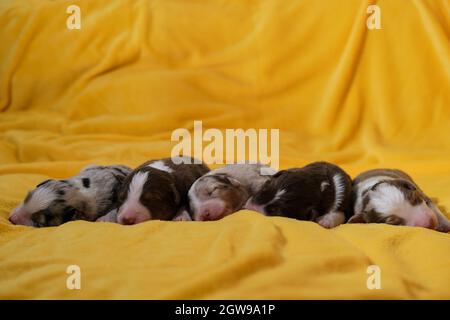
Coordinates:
87 196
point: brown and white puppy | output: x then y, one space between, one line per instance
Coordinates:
318 192
226 190
90 194
157 189
391 196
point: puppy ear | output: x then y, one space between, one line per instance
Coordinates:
43 182
234 182
227 179
357 218
119 178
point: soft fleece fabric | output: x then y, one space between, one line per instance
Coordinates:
114 91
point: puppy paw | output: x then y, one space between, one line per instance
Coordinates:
331 220
182 216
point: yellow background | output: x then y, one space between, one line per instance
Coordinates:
114 91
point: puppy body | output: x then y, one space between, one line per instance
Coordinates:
318 192
157 189
391 196
226 190
90 194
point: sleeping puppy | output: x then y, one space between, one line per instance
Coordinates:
157 189
391 196
318 192
90 194
226 190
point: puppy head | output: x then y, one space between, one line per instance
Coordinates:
215 196
147 194
51 203
396 202
283 194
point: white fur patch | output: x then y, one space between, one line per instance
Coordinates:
324 185
278 195
40 199
331 219
136 186
365 185
386 198
160 166
339 189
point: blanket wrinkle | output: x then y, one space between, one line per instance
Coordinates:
330 111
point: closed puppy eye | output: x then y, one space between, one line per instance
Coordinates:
394 220
210 192
70 213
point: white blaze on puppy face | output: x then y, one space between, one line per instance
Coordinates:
366 185
132 211
160 166
388 200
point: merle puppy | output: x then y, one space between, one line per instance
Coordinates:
158 189
90 194
318 192
391 196
226 190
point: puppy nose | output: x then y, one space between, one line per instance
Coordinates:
432 223
11 220
206 215
128 220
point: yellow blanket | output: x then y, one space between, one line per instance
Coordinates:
114 91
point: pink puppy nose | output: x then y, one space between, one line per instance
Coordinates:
128 220
127 217
426 219
205 215
20 216
212 210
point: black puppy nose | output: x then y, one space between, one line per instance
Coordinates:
128 220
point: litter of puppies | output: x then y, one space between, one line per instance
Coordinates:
184 189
